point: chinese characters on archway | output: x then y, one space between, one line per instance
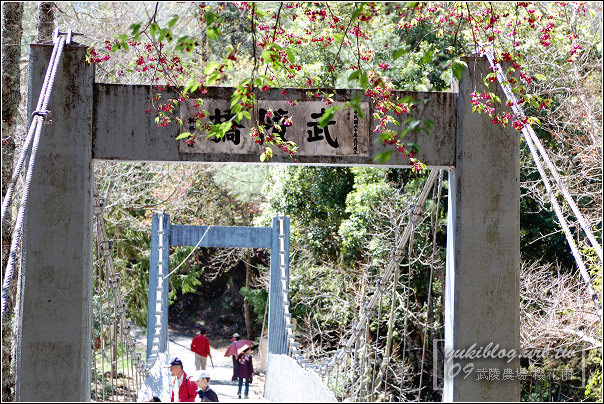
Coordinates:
346 133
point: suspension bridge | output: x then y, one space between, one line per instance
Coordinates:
85 121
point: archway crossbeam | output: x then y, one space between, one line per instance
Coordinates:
164 235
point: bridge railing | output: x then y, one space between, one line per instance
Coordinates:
336 371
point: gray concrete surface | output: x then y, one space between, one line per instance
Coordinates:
482 297
53 337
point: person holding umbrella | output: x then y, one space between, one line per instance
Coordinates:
235 348
244 370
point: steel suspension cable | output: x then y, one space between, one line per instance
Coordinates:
362 323
532 142
395 261
16 237
37 120
358 326
113 280
530 135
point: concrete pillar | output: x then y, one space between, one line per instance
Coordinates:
54 313
157 308
482 300
277 332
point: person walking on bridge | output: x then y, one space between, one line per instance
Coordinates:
183 389
244 371
201 347
204 392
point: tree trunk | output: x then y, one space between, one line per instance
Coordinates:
247 310
46 21
12 16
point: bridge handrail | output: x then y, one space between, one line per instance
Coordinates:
355 333
114 282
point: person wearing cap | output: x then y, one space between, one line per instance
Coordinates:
201 347
204 392
183 389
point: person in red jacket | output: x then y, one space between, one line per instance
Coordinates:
201 346
183 389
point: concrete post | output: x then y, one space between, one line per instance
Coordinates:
54 313
277 332
482 300
157 309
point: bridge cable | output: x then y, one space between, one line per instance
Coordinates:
532 141
113 280
532 138
39 115
377 339
397 257
362 322
187 257
434 228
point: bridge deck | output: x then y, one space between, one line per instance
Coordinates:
179 345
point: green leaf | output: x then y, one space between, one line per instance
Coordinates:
354 75
210 17
408 99
364 80
135 29
458 68
162 35
191 86
428 56
153 29
327 115
383 156
213 33
540 77
184 135
172 21
234 100
398 53
266 56
209 68
414 147
247 115
358 11
290 56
